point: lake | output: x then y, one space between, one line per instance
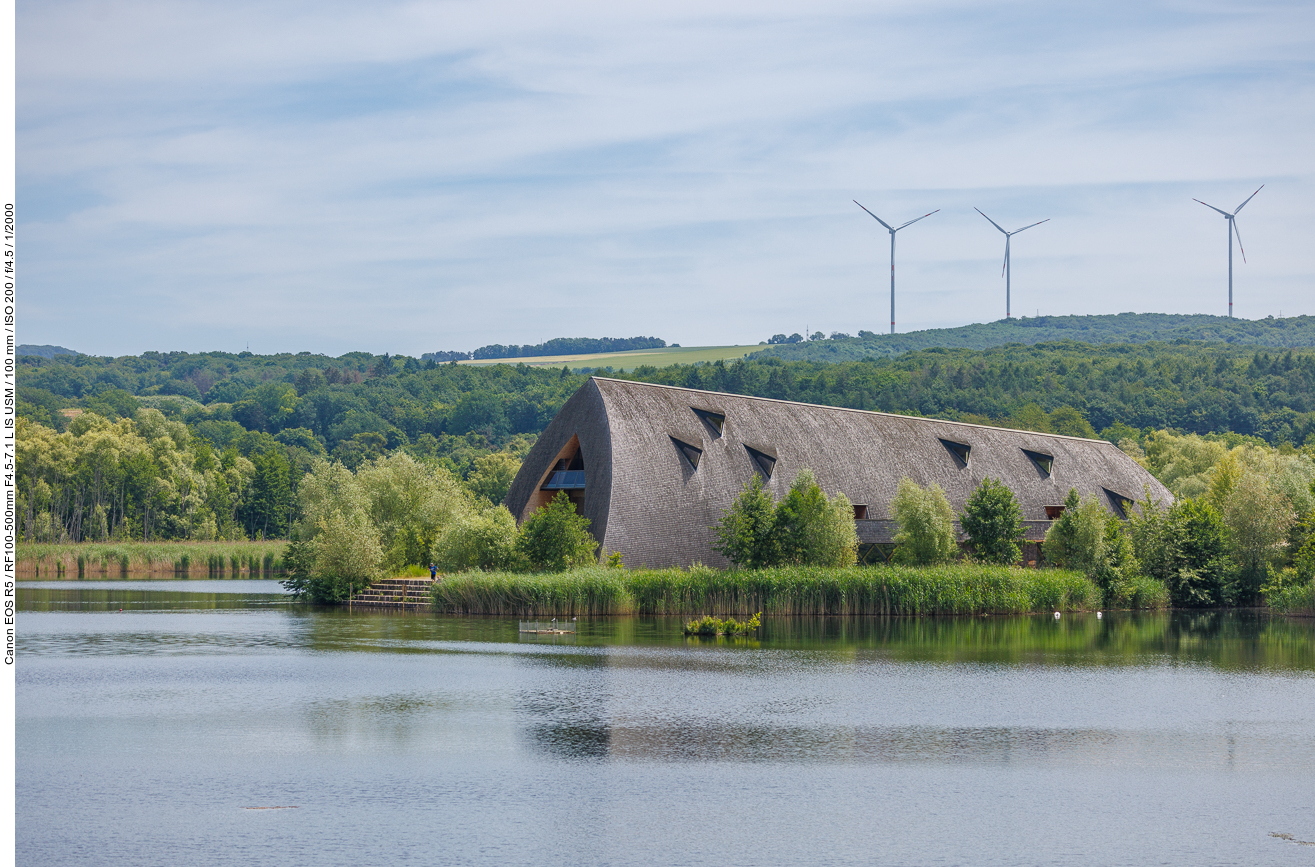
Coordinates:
214 722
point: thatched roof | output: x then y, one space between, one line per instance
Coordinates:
647 499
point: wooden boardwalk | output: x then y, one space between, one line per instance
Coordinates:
396 594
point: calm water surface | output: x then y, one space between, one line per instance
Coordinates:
212 722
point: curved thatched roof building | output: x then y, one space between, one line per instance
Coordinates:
653 466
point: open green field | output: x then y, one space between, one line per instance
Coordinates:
630 360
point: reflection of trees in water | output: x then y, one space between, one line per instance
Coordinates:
382 631
1227 639
564 712
74 598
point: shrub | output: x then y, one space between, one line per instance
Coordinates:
926 525
1293 599
994 523
709 625
1077 539
746 533
478 541
1258 518
1183 547
1088 538
812 530
493 476
555 538
344 556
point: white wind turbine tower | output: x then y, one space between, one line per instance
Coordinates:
1004 272
1232 230
892 255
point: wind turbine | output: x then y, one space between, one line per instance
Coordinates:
892 255
1004 271
1232 230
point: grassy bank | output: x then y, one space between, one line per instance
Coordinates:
956 589
1298 599
158 559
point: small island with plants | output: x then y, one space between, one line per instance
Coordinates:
708 625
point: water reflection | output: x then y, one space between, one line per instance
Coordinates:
1166 738
1239 640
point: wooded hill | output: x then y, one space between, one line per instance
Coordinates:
337 404
1290 332
215 446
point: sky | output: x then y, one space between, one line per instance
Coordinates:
420 176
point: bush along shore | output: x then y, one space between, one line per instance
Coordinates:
89 560
799 590
1296 599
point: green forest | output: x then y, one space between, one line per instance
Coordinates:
215 445
1285 333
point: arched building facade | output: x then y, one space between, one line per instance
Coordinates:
653 466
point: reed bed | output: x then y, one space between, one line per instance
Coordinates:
1296 599
157 559
876 590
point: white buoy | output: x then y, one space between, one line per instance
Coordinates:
1056 615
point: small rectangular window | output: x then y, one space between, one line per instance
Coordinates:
860 512
565 480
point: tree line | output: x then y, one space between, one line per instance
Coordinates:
1241 527
1284 333
556 346
110 447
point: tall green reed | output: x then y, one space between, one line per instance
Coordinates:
879 590
180 559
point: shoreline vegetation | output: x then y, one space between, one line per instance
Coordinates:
89 560
784 591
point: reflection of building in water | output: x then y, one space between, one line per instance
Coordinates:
653 466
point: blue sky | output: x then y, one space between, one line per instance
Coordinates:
405 177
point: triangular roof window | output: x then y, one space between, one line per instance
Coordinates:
691 453
959 451
763 461
715 420
1044 462
1122 505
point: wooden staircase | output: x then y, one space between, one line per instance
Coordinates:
397 594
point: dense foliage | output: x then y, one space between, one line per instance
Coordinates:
1069 388
925 522
993 523
960 588
555 538
805 528
569 346
219 446
1290 332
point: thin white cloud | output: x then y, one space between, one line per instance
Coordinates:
413 176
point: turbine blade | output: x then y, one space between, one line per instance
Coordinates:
1016 231
1213 208
911 222
1244 204
1005 265
1233 223
875 217
992 222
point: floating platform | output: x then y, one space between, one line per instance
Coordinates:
534 627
